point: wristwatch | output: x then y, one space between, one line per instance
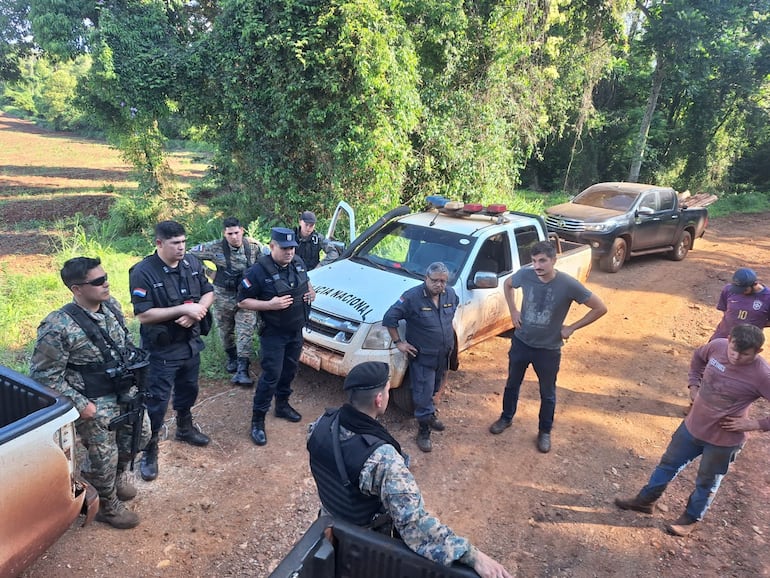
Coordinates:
396 341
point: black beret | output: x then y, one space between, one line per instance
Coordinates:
367 375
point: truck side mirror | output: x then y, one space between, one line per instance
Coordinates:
483 280
644 211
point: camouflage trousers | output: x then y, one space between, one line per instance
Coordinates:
236 326
105 449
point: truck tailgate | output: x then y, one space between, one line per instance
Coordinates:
335 549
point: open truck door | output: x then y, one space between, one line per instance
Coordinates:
337 234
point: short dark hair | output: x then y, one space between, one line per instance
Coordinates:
543 248
746 336
363 399
230 222
168 230
76 270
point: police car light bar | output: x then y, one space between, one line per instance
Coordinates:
494 210
436 201
458 208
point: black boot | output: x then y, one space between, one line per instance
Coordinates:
242 376
148 466
258 435
232 360
423 437
285 411
187 432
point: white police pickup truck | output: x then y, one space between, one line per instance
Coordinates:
481 247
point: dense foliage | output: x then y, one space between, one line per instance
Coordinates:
381 102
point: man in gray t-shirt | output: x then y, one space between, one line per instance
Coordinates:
540 332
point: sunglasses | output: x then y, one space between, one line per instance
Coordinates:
98 282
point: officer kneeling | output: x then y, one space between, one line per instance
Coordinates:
362 474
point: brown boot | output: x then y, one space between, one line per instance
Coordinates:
115 513
682 526
637 503
124 485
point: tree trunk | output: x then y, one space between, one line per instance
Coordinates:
644 129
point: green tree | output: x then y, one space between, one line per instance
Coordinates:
707 61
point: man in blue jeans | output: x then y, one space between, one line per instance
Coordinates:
726 377
547 295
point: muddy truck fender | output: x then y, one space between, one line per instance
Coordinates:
41 492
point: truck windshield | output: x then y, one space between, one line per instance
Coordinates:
409 249
606 199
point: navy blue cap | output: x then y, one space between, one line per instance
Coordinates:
744 278
284 237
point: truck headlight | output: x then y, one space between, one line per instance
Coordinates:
599 227
377 338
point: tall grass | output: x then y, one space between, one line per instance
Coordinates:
26 300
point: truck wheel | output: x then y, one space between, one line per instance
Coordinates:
613 261
402 396
681 247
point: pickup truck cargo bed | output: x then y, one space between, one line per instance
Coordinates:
335 549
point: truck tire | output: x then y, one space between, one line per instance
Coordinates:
613 261
681 247
402 395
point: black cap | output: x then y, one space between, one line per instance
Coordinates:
284 237
308 217
367 375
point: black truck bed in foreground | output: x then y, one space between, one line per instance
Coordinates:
335 549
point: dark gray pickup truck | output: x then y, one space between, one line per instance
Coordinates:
623 220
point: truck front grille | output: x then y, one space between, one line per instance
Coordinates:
556 223
337 328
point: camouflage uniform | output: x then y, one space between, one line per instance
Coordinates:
386 474
236 326
60 340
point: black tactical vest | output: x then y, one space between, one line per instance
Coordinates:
309 250
293 318
341 500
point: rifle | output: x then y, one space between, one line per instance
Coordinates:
136 372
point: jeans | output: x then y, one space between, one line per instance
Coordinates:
279 359
165 376
684 448
546 365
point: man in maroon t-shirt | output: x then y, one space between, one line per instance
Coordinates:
725 378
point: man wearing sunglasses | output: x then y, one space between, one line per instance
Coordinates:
78 350
428 310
